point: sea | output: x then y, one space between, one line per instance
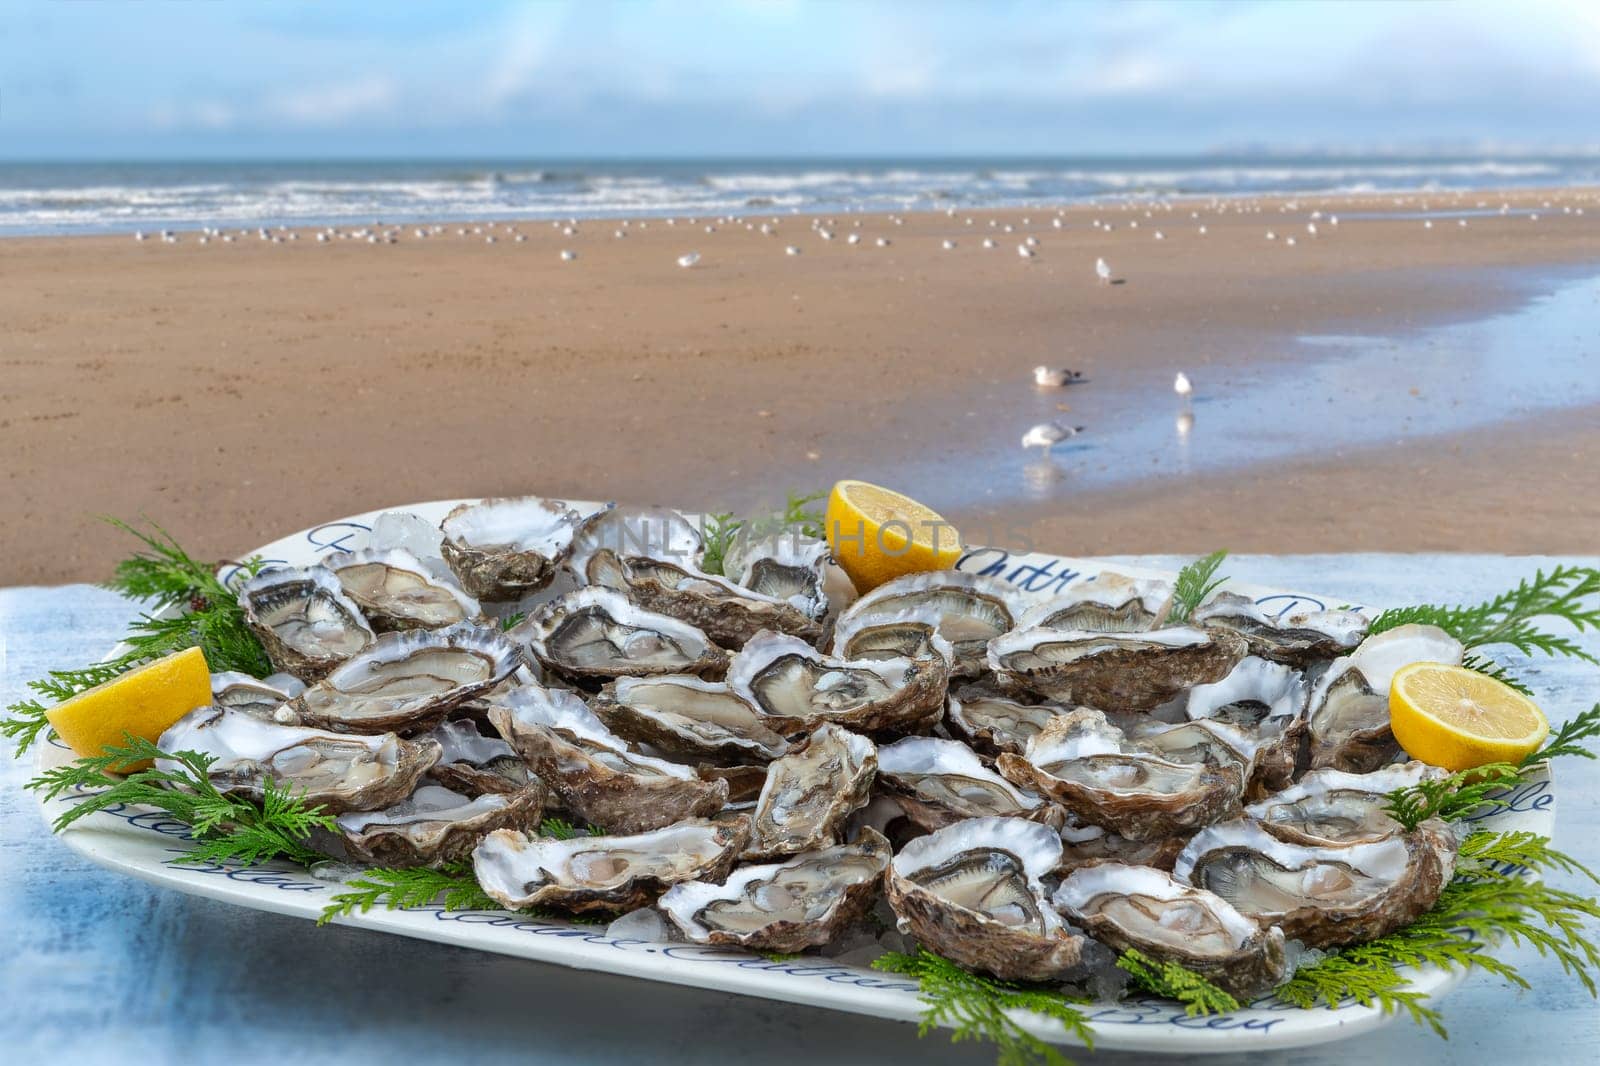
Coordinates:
107 197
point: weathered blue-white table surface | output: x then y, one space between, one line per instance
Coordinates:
95 967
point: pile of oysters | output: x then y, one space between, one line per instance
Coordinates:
764 756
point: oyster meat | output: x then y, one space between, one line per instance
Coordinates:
503 549
397 590
992 722
1298 640
257 697
939 782
689 716
974 893
608 874
594 635
435 826
1084 844
811 792
908 634
1267 700
1347 713
304 620
727 613
786 566
1327 808
1134 907
1124 672
801 903
473 763
1106 603
787 678
973 610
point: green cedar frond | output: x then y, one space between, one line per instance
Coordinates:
1489 668
226 828
720 529
559 828
1195 582
411 887
512 620
1175 981
24 722
1571 593
1451 797
1335 979
1565 740
1487 854
975 1007
800 516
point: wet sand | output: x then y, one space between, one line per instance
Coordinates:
235 392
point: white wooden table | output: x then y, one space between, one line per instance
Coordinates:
100 968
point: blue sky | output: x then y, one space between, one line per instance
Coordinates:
746 77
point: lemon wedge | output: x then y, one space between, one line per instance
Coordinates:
877 534
143 702
1457 718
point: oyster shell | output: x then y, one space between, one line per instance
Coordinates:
727 613
785 677
1121 671
800 903
1325 897
1152 912
503 549
811 792
973 610
1328 808
1083 844
435 826
908 634
594 635
473 763
1267 698
257 697
636 533
1347 713
993 723
1088 766
396 590
938 782
336 772
786 566
608 874
973 892
592 771
407 681
1106 603
1299 640
689 716
304 620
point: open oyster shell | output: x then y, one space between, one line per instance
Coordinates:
1347 713
689 716
939 782
1106 603
1083 844
726 612
992 722
909 634
397 590
593 635
636 533
974 893
973 610
800 903
1119 671
503 549
336 772
1329 808
1299 640
784 565
1152 912
785 677
435 826
1267 699
257 697
593 772
472 763
407 681
1325 897
1088 766
304 620
811 792
608 874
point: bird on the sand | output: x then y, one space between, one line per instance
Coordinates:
568 255
1054 377
1182 385
1024 251
1047 435
689 260
1102 270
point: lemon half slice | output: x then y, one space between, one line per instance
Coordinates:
877 534
1457 718
143 702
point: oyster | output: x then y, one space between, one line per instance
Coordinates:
727 613
1121 671
1083 844
973 610
787 678
636 533
593 771
407 681
1149 911
1267 698
1325 897
594 635
257 697
338 773
606 873
1299 640
304 620
473 763
1327 808
1347 714
1260 754
973 892
993 723
435 826
785 566
789 906
503 549
938 782
809 793
689 716
397 590
908 634
1105 603
1087 765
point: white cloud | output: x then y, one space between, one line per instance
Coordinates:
334 104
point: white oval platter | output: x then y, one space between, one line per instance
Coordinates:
143 843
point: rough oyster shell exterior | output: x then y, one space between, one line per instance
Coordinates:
811 792
1124 672
436 826
505 548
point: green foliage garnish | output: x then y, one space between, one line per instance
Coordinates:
720 530
1571 593
975 1008
797 516
226 828
1565 740
411 887
562 829
168 577
512 620
1174 981
1195 582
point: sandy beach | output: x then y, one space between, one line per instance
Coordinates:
235 392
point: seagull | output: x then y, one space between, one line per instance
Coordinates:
883 242
1054 378
948 245
1024 251
568 255
687 261
1182 386
791 250
1102 270
854 238
1047 435
988 242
